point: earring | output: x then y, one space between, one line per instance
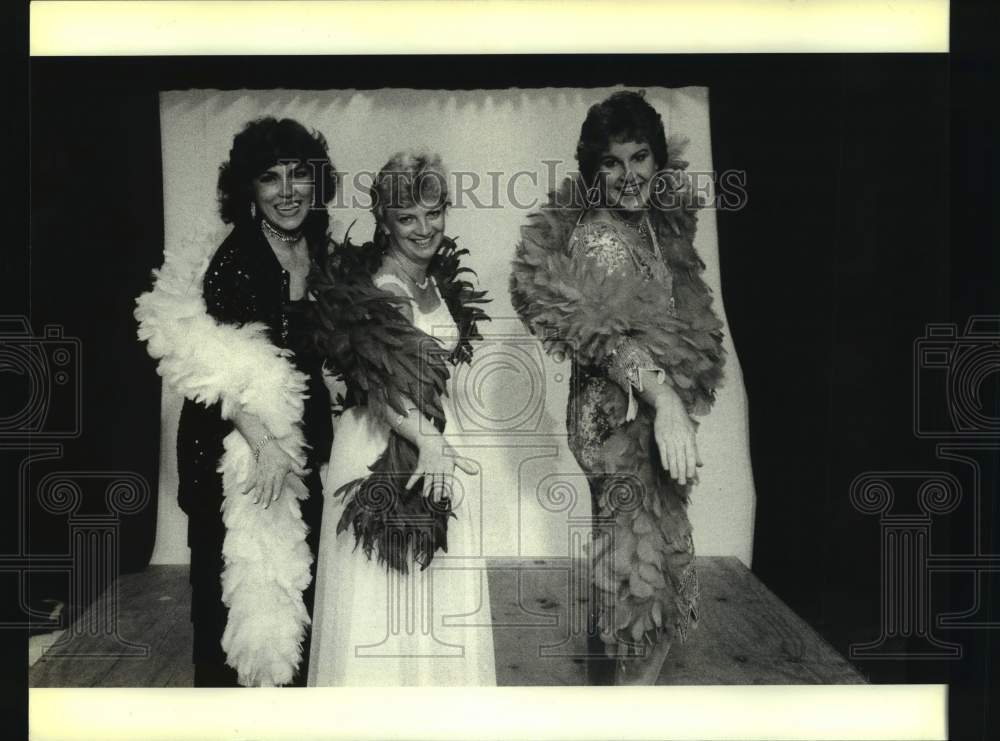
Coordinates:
253 211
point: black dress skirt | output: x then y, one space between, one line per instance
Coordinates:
244 283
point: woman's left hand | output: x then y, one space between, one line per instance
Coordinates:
675 437
273 468
436 463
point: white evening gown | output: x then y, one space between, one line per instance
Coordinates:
373 626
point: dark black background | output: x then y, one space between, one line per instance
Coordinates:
871 213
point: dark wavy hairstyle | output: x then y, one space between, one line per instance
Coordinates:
266 142
621 117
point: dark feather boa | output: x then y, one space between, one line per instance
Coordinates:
363 336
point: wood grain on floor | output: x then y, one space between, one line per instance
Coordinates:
745 634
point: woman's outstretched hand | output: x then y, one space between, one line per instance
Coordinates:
674 432
273 467
436 462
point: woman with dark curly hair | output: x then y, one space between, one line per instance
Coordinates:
607 273
255 426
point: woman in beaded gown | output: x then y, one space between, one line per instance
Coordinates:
607 272
402 596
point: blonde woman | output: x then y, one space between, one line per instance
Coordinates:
399 602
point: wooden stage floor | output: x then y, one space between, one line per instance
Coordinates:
745 634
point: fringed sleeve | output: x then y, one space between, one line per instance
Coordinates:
625 368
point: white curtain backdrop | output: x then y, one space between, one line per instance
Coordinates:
534 496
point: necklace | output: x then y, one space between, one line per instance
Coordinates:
638 226
270 230
419 284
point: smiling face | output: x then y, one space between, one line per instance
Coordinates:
415 232
625 172
283 194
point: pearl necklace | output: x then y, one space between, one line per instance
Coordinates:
270 230
419 284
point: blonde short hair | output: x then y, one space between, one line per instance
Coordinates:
408 179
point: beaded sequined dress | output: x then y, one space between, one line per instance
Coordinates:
602 402
620 297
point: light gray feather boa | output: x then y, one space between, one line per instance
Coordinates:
266 556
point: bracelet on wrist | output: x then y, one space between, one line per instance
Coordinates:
268 437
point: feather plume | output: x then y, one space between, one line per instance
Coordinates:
266 556
642 561
384 360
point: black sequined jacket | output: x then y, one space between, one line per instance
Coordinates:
246 283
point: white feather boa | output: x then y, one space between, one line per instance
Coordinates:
266 556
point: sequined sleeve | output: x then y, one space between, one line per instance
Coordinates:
625 367
229 290
598 242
